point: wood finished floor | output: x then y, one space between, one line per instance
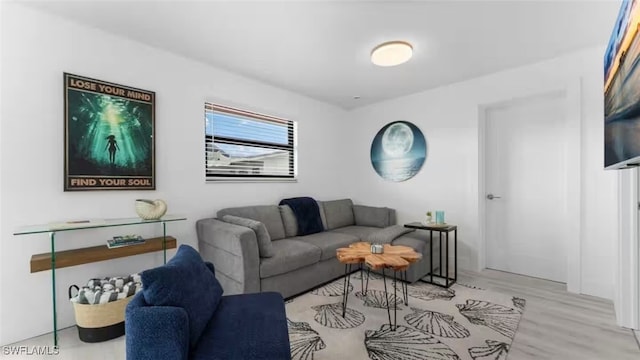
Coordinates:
556 325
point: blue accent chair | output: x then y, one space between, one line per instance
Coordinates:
181 314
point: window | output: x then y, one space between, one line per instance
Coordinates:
245 145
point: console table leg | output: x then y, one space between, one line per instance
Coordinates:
455 255
440 252
446 282
431 255
52 236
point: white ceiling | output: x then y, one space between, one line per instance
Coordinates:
321 48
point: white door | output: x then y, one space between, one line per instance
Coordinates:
526 151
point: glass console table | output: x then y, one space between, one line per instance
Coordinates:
53 259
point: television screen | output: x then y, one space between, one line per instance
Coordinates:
622 90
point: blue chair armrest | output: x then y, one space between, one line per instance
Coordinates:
156 332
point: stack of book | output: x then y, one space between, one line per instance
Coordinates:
126 240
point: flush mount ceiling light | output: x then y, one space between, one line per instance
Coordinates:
391 53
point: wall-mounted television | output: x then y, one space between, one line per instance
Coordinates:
622 90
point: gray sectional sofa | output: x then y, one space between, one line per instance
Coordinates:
299 263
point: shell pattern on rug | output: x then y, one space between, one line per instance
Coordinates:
372 276
330 315
335 288
470 286
304 341
500 318
378 298
428 292
494 350
436 323
405 344
519 303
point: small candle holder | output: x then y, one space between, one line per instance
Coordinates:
377 249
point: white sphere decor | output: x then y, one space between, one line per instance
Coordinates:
150 209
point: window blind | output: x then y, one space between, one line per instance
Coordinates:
247 145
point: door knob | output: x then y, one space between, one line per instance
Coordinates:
491 197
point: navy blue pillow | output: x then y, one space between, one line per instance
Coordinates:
186 282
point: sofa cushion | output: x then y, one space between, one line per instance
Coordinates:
323 218
361 232
262 235
371 216
388 234
269 215
247 326
145 324
338 213
328 242
185 281
289 221
414 240
289 255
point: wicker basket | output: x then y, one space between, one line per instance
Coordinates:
100 322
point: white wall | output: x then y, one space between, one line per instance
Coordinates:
449 180
2 34
37 49
627 295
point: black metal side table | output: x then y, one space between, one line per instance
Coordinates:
443 230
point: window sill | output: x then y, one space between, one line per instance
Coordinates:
250 180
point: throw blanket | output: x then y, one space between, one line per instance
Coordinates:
388 234
307 214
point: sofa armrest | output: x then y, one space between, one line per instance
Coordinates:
233 249
156 332
374 216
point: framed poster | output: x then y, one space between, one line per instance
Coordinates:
109 136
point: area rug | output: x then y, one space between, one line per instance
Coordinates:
462 322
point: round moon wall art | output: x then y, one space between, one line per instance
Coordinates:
398 151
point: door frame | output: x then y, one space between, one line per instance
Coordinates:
571 94
627 290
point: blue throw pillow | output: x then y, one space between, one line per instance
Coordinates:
186 282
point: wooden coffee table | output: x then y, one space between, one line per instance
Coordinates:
395 257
